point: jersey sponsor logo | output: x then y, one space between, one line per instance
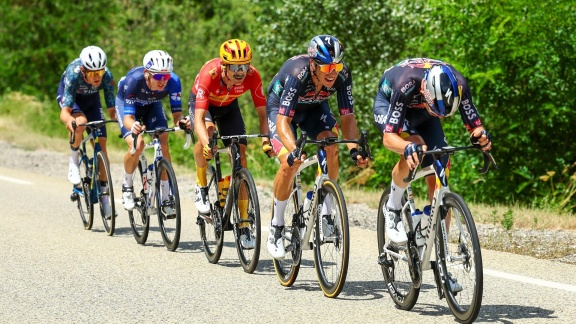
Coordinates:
277 88
302 73
282 110
469 110
389 129
379 119
408 86
478 122
292 112
395 114
386 88
200 94
344 111
289 96
213 73
349 94
175 96
271 125
323 118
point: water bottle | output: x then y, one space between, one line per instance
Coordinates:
416 223
307 201
425 220
150 174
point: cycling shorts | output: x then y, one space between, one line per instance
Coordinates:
227 118
87 105
151 115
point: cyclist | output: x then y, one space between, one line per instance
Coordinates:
298 97
412 97
79 100
139 99
214 100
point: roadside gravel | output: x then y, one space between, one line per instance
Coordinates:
546 244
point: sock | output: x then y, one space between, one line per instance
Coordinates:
128 180
395 199
327 206
165 187
74 155
243 207
201 176
279 208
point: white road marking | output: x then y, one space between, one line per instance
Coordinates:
530 280
14 180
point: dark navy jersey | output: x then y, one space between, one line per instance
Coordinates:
399 88
292 88
134 92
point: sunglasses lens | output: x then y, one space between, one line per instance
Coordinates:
238 67
160 77
95 73
327 68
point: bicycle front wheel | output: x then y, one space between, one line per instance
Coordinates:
287 269
247 197
211 230
168 205
139 218
332 241
82 192
395 268
102 171
461 260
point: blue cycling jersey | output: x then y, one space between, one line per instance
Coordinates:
133 91
73 85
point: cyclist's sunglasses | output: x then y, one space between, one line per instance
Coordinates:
238 67
95 73
327 68
160 76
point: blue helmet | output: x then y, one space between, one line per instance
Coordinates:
441 91
326 49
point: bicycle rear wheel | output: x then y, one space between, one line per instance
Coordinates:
461 260
331 252
396 270
287 269
168 206
139 218
102 170
211 230
248 256
82 192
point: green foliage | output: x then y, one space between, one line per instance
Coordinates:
508 220
562 189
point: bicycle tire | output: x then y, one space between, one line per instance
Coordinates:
465 262
331 254
169 223
85 205
102 160
248 257
139 218
211 228
397 276
287 269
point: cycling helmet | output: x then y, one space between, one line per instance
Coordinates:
235 51
158 61
441 91
93 58
326 49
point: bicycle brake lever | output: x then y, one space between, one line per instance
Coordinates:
488 159
72 137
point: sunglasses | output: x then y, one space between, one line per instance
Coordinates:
327 68
160 76
95 73
238 67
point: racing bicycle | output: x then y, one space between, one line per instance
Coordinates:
304 229
151 197
96 182
450 229
225 213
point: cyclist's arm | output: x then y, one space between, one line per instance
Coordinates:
129 120
349 129
67 118
112 112
261 111
200 126
394 143
285 132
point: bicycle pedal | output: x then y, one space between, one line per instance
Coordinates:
382 260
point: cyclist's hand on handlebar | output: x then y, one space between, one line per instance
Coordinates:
69 126
207 152
267 148
358 159
482 139
293 159
184 123
137 128
413 154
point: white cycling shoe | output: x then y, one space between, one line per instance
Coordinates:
394 226
128 198
201 200
73 173
276 242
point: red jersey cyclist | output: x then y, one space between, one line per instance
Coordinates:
214 101
79 100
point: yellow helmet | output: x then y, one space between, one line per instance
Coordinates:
235 51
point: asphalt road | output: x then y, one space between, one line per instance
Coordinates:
52 270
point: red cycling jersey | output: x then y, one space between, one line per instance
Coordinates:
211 91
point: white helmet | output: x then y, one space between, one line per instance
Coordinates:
93 58
158 61
441 91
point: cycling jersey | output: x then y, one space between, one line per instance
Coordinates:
399 99
73 86
292 90
210 91
134 93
